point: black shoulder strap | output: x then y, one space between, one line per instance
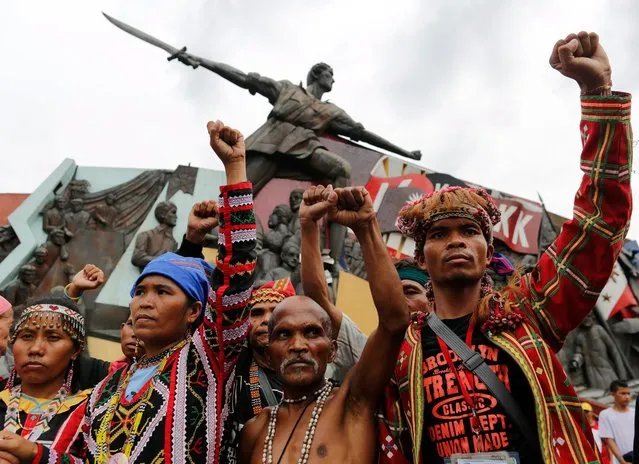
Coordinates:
265 385
475 363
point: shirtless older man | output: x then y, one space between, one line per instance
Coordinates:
316 421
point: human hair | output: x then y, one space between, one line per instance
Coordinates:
406 263
162 209
60 300
315 71
72 325
617 385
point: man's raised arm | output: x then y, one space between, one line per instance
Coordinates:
368 379
313 208
565 284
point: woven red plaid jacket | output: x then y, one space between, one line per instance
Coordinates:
555 297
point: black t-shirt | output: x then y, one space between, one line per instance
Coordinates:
447 428
241 406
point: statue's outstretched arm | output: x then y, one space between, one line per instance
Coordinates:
380 142
344 125
254 83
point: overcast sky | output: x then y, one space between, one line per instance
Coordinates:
466 82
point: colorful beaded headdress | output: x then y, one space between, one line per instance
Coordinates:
4 305
273 292
52 315
417 217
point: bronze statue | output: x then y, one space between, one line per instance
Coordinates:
77 218
294 201
40 264
8 241
353 257
155 242
596 353
104 215
54 216
289 265
19 290
56 246
272 241
290 136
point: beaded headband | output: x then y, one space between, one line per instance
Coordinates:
417 217
273 292
52 315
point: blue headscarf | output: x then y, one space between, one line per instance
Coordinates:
190 274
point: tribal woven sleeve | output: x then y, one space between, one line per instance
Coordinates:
226 321
564 286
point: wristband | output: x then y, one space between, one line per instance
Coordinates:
601 90
66 293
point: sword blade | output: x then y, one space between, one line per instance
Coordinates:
141 35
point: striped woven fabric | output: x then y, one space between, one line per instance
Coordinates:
555 297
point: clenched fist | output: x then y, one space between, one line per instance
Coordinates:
89 278
582 58
227 143
203 218
354 207
316 203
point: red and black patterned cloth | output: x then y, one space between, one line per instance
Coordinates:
555 297
187 407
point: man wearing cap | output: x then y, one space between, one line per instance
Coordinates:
443 409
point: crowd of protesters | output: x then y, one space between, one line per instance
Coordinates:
214 370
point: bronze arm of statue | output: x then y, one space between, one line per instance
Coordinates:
371 138
319 81
233 75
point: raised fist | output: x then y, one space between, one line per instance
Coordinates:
354 207
317 202
89 278
203 218
227 143
582 58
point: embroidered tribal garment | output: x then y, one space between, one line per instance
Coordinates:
63 429
185 404
555 297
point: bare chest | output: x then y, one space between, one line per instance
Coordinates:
332 438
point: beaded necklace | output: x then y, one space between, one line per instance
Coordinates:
12 419
322 395
103 438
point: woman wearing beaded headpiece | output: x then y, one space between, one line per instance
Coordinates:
170 404
40 401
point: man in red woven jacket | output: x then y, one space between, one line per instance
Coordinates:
436 408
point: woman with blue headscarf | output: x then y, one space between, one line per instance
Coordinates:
169 405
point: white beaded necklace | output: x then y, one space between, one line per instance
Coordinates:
322 395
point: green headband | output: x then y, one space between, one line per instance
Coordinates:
416 275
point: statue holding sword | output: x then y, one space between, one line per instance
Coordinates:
288 144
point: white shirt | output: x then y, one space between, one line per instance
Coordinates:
350 344
620 426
